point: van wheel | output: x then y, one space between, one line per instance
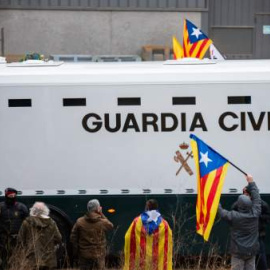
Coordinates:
64 250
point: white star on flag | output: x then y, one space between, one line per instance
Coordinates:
196 32
205 159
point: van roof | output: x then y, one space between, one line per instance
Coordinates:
228 71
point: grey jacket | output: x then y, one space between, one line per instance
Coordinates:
244 223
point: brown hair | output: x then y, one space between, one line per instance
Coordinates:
151 204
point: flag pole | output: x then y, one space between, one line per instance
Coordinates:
236 167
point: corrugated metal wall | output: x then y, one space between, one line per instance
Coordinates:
232 12
236 26
161 5
262 6
232 27
262 24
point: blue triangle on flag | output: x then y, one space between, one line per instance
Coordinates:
194 33
209 159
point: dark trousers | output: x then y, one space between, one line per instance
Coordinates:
261 258
7 245
92 264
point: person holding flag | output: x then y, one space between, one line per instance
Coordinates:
148 241
211 169
244 243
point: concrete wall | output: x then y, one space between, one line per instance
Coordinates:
90 32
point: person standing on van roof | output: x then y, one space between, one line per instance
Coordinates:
89 239
148 241
244 244
12 214
37 240
264 219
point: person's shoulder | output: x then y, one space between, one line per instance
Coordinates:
2 204
21 206
264 204
27 221
164 221
80 220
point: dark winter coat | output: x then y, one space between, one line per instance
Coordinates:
38 237
244 223
11 217
264 218
88 236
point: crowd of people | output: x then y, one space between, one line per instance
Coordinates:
148 241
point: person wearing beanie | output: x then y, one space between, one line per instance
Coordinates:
264 219
244 243
37 240
12 214
88 237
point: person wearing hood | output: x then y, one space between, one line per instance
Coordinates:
148 241
264 219
12 214
244 242
88 237
37 240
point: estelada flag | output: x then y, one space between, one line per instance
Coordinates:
148 249
195 42
211 170
178 52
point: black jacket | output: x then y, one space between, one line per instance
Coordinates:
11 217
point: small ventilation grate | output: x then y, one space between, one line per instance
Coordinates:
74 102
184 100
134 101
239 100
19 102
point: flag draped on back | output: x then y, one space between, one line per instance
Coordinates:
178 52
211 170
148 249
195 42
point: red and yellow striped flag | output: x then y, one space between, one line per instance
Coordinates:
145 251
211 170
178 52
195 42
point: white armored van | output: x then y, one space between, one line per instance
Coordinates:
120 132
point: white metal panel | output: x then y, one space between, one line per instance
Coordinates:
45 147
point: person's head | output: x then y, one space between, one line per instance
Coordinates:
151 204
39 209
93 206
244 203
246 192
10 195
